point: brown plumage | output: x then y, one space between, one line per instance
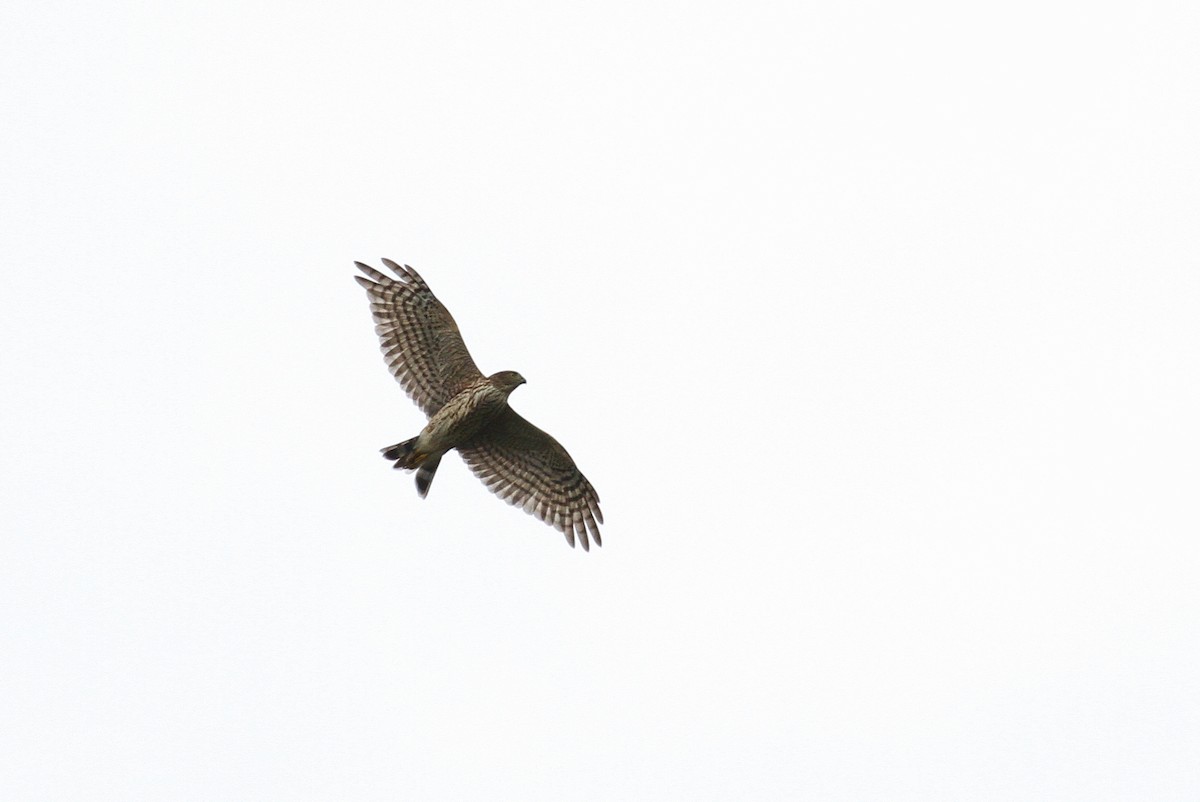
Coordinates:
468 411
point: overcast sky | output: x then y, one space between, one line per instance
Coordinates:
875 325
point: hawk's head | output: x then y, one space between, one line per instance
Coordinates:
506 380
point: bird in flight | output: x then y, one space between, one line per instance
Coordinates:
469 411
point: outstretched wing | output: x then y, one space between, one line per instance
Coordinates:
529 469
419 339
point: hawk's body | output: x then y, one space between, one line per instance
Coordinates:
470 412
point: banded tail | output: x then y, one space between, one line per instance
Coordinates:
406 458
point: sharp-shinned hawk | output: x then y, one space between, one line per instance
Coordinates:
469 411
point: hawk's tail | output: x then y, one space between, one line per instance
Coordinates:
403 453
406 458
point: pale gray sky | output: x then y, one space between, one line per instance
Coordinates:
875 325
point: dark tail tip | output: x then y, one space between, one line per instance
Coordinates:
425 474
425 478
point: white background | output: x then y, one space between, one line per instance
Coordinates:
874 324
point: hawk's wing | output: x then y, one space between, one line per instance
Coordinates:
529 469
418 337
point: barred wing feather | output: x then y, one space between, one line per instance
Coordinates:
529 469
419 339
